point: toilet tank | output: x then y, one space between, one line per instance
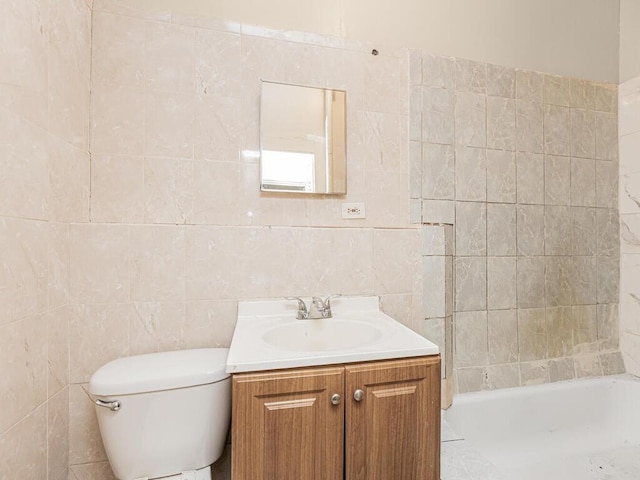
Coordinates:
174 411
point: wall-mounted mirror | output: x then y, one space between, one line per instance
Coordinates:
303 139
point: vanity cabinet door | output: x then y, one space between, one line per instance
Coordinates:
393 430
285 426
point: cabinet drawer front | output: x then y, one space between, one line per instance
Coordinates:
393 431
285 426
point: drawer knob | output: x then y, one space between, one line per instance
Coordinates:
358 395
335 399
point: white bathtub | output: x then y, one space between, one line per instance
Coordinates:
577 430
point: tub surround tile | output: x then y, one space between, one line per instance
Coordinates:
529 85
470 119
606 98
532 334
612 363
529 126
557 180
557 130
501 81
606 184
558 281
557 90
582 94
470 76
501 176
561 369
534 373
560 332
608 273
471 229
438 72
584 280
501 229
470 174
503 336
438 115
587 366
530 178
531 282
470 283
438 171
606 136
501 123
583 133
557 230
608 228
501 283
530 229
608 322
471 338
583 224
583 182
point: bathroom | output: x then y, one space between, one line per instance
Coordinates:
131 218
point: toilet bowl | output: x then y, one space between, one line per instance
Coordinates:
164 414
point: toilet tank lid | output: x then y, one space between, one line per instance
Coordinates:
160 371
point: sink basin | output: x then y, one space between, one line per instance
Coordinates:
322 335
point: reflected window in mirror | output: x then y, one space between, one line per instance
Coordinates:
302 139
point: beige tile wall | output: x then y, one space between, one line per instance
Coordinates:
179 230
44 185
524 166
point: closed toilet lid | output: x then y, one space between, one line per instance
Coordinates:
160 371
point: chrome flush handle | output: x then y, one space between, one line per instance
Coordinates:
114 406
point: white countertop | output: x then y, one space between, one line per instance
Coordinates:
250 352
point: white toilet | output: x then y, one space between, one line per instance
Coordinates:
164 414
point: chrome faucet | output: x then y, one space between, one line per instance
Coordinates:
319 308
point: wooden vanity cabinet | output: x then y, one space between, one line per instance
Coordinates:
285 425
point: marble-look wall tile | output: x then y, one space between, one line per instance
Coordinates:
582 94
85 443
584 280
58 434
471 119
69 179
583 182
608 273
218 62
529 85
97 334
501 283
501 123
529 125
606 98
558 281
560 331
169 125
503 376
389 249
58 349
501 229
608 322
471 229
585 326
471 76
438 115
438 72
434 275
117 189
612 363
557 180
583 224
532 334
606 136
470 284
217 128
210 323
470 174
99 263
530 228
501 176
608 229
23 447
530 178
501 81
469 379
438 171
606 184
168 190
58 265
169 57
557 130
24 373
156 327
588 366
583 133
415 170
415 113
503 336
92 471
439 211
531 282
557 230
561 369
534 373
557 90
436 240
471 339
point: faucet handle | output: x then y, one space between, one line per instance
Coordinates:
327 304
302 307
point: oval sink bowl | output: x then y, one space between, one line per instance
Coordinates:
322 335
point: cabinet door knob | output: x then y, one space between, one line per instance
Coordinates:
358 395
335 399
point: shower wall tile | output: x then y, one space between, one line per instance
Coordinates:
501 176
502 376
530 178
583 182
584 280
534 373
501 123
532 334
470 284
438 211
606 184
557 230
608 322
501 283
529 122
560 331
608 229
606 136
438 115
583 133
471 76
612 363
557 90
531 282
557 180
529 85
471 229
503 336
582 94
607 282
470 119
471 338
557 130
588 366
561 369
501 81
606 98
501 229
470 174
558 281
438 171
530 229
438 72
583 224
